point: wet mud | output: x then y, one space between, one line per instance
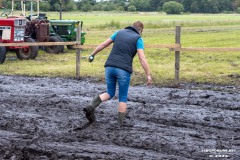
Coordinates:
42 119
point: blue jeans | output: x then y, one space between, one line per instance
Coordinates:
114 75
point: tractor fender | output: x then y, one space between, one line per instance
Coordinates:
53 34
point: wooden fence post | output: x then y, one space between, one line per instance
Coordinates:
78 50
177 56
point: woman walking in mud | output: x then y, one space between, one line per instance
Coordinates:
118 67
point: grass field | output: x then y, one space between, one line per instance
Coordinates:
151 20
222 30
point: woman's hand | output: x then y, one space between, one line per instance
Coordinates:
149 80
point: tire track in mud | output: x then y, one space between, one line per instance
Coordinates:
38 117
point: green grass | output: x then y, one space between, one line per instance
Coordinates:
201 67
99 20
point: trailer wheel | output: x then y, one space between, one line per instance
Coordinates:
2 54
54 49
30 52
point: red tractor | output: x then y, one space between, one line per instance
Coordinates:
38 29
12 30
38 26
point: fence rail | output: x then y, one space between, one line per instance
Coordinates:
37 44
76 45
171 47
209 49
177 48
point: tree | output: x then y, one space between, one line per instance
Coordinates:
141 5
192 6
155 4
109 6
172 7
70 6
211 6
85 5
132 9
119 2
226 5
98 7
236 3
197 6
44 6
187 5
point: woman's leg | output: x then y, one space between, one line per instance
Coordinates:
104 96
111 81
123 82
111 88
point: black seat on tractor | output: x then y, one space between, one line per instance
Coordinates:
42 16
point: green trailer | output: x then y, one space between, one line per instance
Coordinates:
66 29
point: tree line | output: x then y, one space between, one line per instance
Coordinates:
169 6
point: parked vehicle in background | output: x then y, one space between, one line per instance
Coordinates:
37 26
12 30
67 30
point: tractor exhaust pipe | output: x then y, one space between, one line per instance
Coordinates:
60 10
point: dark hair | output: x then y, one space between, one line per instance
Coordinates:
138 25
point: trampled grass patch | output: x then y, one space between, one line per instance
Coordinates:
201 67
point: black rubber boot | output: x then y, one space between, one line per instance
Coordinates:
121 117
89 110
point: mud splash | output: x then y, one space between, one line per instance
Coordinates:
42 119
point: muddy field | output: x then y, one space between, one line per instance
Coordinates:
42 119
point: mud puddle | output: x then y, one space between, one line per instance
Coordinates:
42 119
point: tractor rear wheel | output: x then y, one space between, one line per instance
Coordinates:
30 52
2 54
55 49
61 40
70 47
